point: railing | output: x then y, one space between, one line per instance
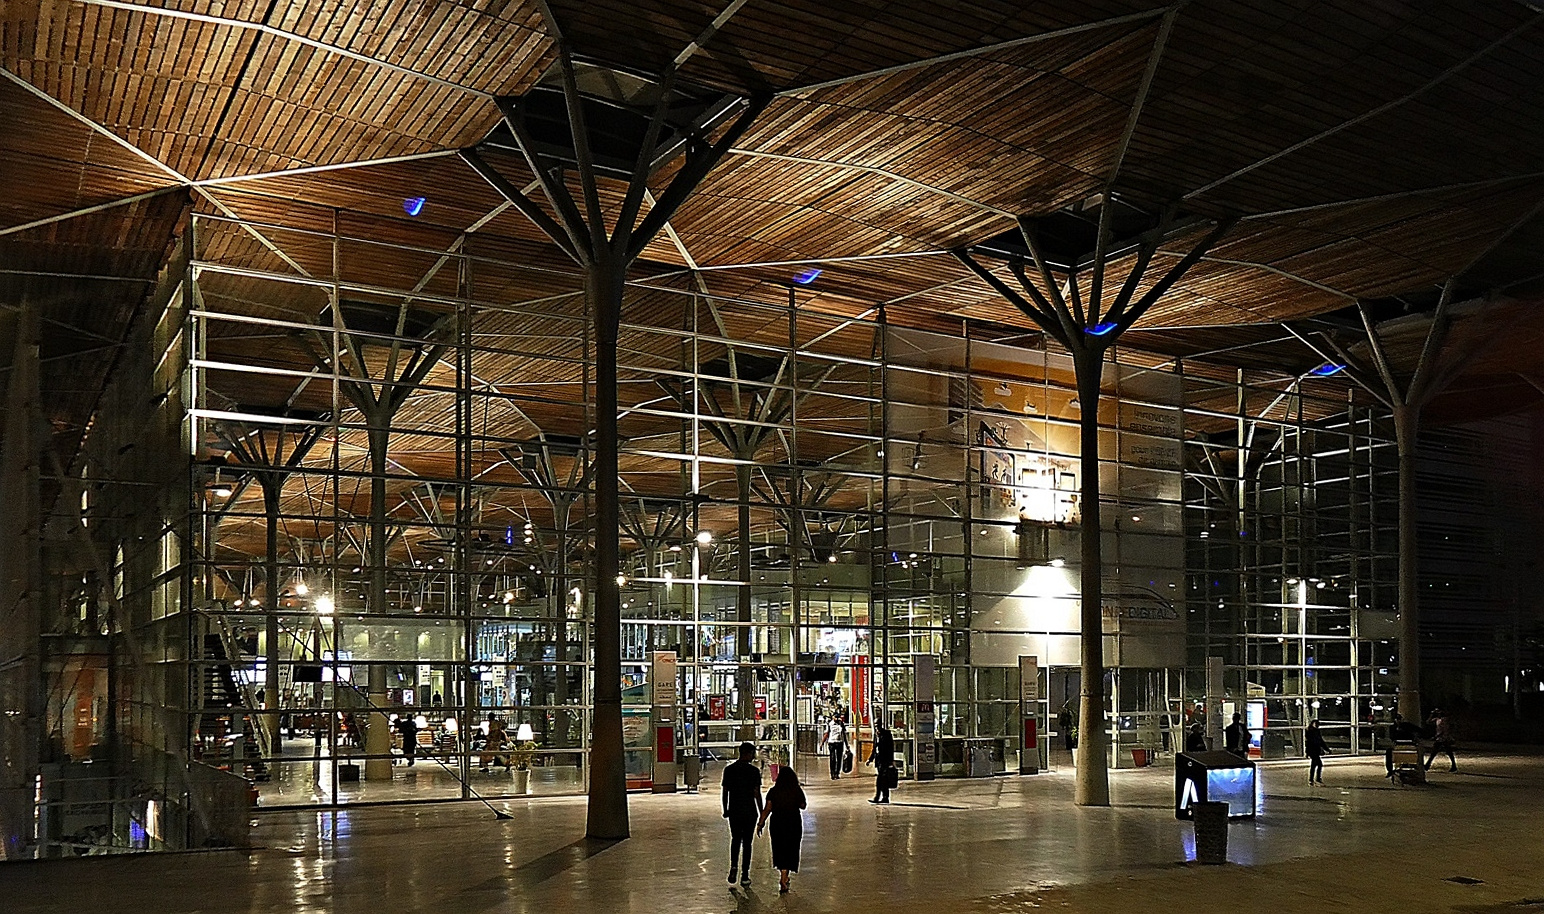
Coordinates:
248 696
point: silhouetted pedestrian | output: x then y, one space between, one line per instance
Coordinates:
741 797
882 757
408 726
1237 736
785 802
1314 743
1442 740
1195 740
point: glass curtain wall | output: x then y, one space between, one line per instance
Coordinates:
391 531
1291 559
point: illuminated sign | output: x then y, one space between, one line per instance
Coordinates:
1214 777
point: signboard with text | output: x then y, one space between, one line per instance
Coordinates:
925 683
1029 711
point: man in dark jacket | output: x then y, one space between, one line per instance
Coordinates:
882 757
741 798
1237 736
409 727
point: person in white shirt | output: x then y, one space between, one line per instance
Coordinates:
836 744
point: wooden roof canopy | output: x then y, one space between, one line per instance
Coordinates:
1371 152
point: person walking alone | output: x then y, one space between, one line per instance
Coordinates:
785 805
1314 741
882 757
1442 740
741 798
836 744
408 725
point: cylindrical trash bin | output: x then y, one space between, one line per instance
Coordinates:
1211 832
692 770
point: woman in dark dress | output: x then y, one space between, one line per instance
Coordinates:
784 802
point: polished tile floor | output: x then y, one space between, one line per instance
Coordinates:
997 845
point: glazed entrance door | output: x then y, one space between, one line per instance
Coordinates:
1062 686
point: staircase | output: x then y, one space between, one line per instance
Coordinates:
221 692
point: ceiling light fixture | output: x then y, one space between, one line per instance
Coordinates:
805 277
413 205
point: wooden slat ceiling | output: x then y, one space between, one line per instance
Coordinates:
1371 149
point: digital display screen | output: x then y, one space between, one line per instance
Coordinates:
1233 786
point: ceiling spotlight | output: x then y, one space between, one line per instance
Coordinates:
1003 390
704 537
223 492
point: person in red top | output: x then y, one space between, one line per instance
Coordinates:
1442 740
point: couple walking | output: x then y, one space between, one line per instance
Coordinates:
785 803
748 815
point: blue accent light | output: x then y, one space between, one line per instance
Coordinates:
1327 369
413 205
509 536
805 277
1102 329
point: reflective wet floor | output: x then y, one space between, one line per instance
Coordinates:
1468 842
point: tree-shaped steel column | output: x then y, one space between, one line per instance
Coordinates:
413 343
1405 398
674 124
1088 329
271 453
748 398
540 462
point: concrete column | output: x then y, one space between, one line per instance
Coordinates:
1092 787
607 816
1406 427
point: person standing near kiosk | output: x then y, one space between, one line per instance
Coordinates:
1237 736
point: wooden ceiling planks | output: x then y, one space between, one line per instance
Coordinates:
923 159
